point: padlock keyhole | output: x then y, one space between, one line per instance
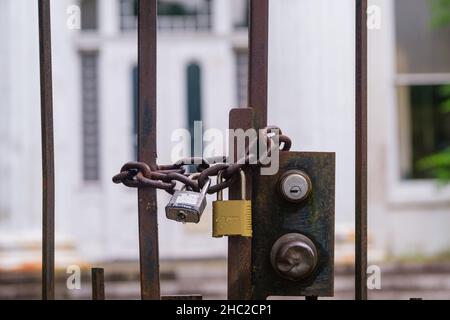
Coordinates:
182 216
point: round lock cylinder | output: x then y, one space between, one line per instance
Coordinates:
294 256
295 186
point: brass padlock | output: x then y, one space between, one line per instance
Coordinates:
232 217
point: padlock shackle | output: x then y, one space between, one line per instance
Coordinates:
219 181
205 188
243 185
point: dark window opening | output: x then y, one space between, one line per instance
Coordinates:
174 15
430 126
128 14
90 116
89 14
194 107
242 14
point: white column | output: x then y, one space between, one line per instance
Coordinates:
222 18
5 111
311 79
108 12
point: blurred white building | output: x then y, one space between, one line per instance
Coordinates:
200 46
202 72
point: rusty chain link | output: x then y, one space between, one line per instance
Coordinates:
165 177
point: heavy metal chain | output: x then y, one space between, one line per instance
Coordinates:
165 177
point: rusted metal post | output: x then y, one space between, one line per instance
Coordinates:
98 283
48 168
240 248
258 62
148 220
361 152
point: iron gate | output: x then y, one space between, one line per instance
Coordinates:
244 253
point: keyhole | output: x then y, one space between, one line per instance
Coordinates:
182 216
295 186
295 190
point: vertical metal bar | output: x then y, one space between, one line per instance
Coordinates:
258 63
361 152
240 248
148 220
98 283
48 171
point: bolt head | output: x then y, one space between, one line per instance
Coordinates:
294 256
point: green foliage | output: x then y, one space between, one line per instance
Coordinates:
445 92
440 12
439 163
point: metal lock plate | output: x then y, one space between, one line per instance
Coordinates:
274 217
186 207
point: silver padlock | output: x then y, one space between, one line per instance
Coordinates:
187 206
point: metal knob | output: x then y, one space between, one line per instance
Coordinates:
295 186
294 256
